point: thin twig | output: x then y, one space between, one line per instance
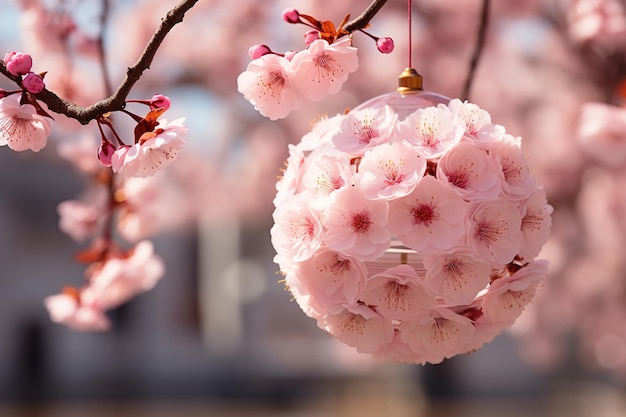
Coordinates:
117 100
102 55
480 43
364 19
108 223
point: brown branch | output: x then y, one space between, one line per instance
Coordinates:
116 101
480 43
364 19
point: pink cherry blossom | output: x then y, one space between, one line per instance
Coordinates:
300 293
69 310
297 230
456 277
143 159
118 158
485 329
432 130
536 224
21 128
602 133
80 220
359 326
268 83
18 63
398 351
431 217
508 296
363 129
322 68
324 176
357 226
398 293
438 334
495 230
390 171
478 126
471 172
150 206
118 280
332 278
518 183
602 22
79 152
320 134
289 184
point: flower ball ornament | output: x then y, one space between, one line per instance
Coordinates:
408 227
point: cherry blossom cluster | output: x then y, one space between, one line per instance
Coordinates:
411 237
20 64
121 199
277 83
113 278
156 142
115 275
24 124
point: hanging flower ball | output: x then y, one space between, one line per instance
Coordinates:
409 227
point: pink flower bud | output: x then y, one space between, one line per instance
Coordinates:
385 45
105 152
159 101
311 36
291 16
18 63
33 83
257 51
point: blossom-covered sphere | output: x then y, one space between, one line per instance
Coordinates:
408 227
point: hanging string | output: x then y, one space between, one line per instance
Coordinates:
409 81
410 34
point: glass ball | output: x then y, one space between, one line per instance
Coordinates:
408 227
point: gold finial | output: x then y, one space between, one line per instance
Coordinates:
404 258
409 81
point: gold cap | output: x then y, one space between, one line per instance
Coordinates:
409 81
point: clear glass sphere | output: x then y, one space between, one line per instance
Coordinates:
405 104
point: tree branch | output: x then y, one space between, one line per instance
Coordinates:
117 100
363 20
480 43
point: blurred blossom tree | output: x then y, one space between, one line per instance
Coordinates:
552 71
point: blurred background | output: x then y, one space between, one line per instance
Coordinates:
219 335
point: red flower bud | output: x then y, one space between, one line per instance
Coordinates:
159 101
18 63
291 16
33 83
385 45
311 36
105 152
257 51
